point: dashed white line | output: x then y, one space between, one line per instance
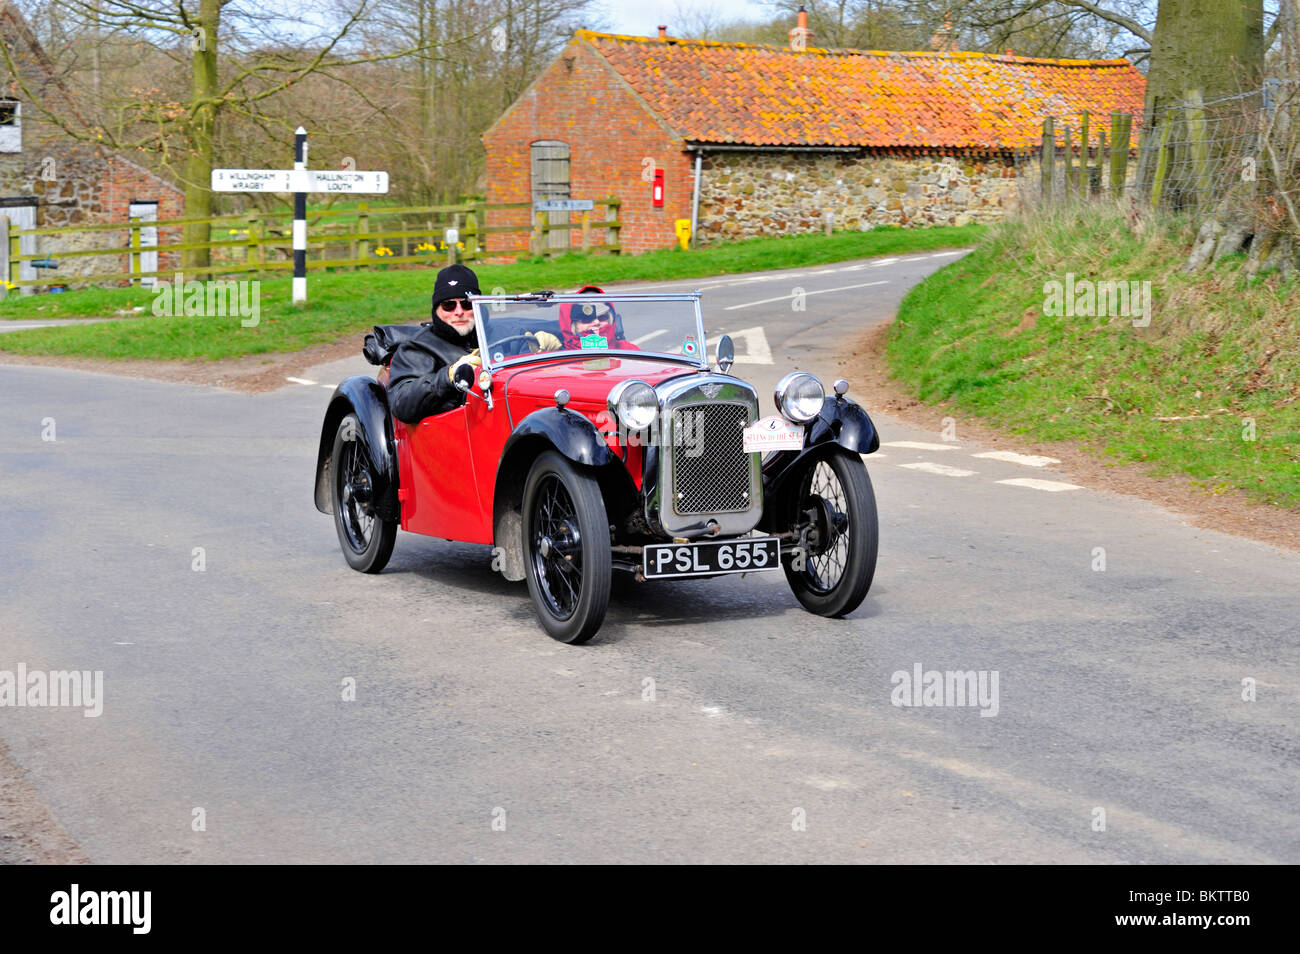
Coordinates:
330 387
300 381
883 261
819 291
945 254
919 445
1051 486
941 469
1011 457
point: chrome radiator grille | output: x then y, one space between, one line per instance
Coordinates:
711 471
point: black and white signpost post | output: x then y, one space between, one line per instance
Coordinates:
299 180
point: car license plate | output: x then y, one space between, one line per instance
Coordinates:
706 558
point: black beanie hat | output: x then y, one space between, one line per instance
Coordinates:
454 281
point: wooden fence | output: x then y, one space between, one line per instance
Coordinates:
1068 161
261 243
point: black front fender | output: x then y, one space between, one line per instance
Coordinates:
841 423
368 400
573 436
568 432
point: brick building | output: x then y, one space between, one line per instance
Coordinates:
50 179
781 136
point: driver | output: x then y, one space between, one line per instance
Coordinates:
423 370
578 320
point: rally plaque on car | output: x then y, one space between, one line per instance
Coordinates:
707 558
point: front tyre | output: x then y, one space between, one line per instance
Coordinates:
834 499
366 538
566 548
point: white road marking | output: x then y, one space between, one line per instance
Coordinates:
820 291
300 381
884 261
329 387
919 445
756 350
945 254
942 469
644 338
1051 486
876 456
1011 457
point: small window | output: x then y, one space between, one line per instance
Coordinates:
11 125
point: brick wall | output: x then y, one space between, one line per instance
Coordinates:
581 101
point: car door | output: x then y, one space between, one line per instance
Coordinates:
442 498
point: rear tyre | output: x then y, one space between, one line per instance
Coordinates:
832 578
566 548
366 538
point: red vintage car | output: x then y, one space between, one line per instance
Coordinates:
619 451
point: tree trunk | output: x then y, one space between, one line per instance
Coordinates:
203 111
1216 46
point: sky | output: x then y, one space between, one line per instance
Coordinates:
642 17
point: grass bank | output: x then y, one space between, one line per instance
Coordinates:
346 302
1209 388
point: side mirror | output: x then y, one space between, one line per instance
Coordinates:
726 353
464 379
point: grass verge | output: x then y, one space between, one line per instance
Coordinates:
1210 388
353 301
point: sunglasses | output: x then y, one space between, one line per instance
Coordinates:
585 314
450 304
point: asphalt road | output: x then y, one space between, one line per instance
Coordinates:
771 735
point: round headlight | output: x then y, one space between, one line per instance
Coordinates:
635 403
799 396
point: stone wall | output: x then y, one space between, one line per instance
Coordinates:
747 194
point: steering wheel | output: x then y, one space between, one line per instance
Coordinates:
529 336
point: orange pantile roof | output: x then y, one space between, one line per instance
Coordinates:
749 94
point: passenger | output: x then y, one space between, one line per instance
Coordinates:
599 318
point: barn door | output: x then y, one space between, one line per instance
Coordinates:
550 169
148 238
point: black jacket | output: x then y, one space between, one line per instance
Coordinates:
418 385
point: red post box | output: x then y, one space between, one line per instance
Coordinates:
657 192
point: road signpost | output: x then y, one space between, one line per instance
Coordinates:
299 180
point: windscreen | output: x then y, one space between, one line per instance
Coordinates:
589 323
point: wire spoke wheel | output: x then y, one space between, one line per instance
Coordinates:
833 500
365 537
566 543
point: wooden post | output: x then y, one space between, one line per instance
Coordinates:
451 246
471 237
539 235
1084 147
363 227
1048 157
1198 146
251 257
586 232
13 268
134 243
4 268
1103 154
1069 163
612 207
1162 164
480 229
1118 153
